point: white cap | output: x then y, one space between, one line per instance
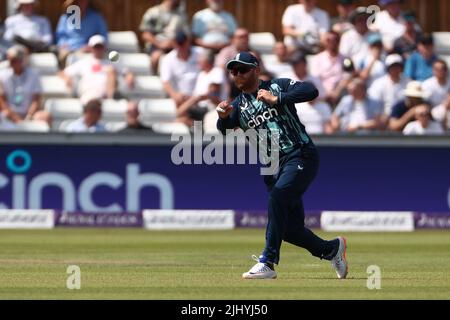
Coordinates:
393 59
96 40
19 2
414 90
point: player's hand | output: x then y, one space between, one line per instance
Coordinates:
266 96
224 109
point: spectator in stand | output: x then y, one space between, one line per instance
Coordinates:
407 43
424 124
357 112
437 87
342 23
97 76
213 27
196 107
372 67
74 39
419 65
179 69
304 25
28 29
239 43
390 23
209 74
159 26
390 88
90 121
441 113
328 67
405 111
354 43
316 116
21 89
299 72
281 62
134 125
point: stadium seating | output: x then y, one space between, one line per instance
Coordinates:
170 128
138 63
145 87
442 42
115 126
446 58
44 63
114 110
157 110
63 109
123 42
54 87
263 42
33 126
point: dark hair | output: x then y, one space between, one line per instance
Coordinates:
298 57
441 61
93 105
426 39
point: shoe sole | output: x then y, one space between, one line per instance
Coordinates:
345 257
256 278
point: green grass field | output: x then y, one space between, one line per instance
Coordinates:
139 264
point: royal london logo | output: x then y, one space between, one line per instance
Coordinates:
263 117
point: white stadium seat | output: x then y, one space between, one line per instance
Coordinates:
123 41
54 87
63 109
45 63
442 43
170 128
138 63
115 126
157 110
145 87
114 110
32 126
263 42
446 58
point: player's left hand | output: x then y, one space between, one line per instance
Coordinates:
266 96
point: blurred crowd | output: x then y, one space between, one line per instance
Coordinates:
373 75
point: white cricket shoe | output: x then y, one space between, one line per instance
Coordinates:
339 262
260 271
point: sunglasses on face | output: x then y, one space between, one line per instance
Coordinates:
240 70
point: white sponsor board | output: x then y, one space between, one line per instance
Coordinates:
27 219
367 221
188 220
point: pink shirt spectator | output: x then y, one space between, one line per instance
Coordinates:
328 69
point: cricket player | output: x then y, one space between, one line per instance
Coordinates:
270 105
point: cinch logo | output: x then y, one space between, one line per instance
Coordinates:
260 119
19 163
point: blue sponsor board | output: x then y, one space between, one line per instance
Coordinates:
115 179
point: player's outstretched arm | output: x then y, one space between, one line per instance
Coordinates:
296 91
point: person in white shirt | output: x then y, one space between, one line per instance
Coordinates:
21 91
213 27
390 23
437 87
28 29
278 63
390 88
441 113
179 69
424 124
316 116
304 25
90 121
354 43
357 112
97 76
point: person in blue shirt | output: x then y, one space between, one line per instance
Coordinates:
268 107
71 37
419 66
